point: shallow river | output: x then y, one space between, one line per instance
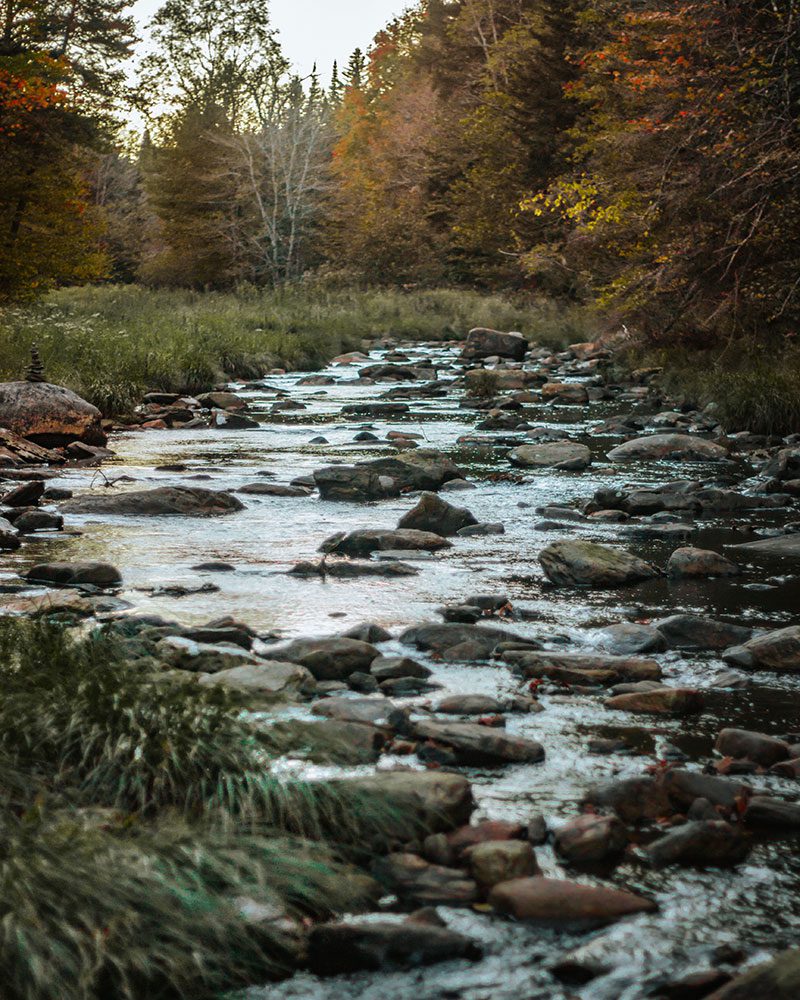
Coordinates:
755 906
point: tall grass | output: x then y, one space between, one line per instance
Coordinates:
112 343
134 815
754 387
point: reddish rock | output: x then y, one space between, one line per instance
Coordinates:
559 902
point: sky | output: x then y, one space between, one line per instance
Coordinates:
318 31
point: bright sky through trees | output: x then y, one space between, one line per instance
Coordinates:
317 30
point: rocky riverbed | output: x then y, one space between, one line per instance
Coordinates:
498 563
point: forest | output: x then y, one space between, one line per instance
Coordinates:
641 157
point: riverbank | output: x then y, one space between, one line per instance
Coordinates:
111 344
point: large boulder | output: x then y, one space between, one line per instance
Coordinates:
778 650
436 515
780 547
423 469
364 541
262 681
676 447
485 343
559 902
587 564
565 456
164 501
49 415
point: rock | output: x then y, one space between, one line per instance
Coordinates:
371 711
368 632
9 539
587 564
437 800
778 979
201 657
341 949
763 810
778 650
782 546
18 451
683 787
49 415
332 659
385 668
590 838
565 456
164 501
632 799
413 880
26 495
559 902
222 401
435 515
473 530
38 520
661 701
470 704
262 681
691 562
703 842
497 861
742 744
424 469
694 632
692 987
64 604
272 490
676 447
486 343
478 746
583 668
466 837
565 392
96 574
453 641
630 639
375 410
784 465
787 768
363 542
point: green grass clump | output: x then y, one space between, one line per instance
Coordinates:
112 343
752 388
134 818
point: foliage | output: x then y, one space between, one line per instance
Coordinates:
112 344
135 821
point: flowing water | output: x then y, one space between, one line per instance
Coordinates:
754 907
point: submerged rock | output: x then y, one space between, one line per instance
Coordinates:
695 632
587 564
164 501
49 415
367 540
691 562
340 949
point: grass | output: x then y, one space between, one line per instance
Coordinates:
752 387
134 815
113 343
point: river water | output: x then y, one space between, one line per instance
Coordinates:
754 907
